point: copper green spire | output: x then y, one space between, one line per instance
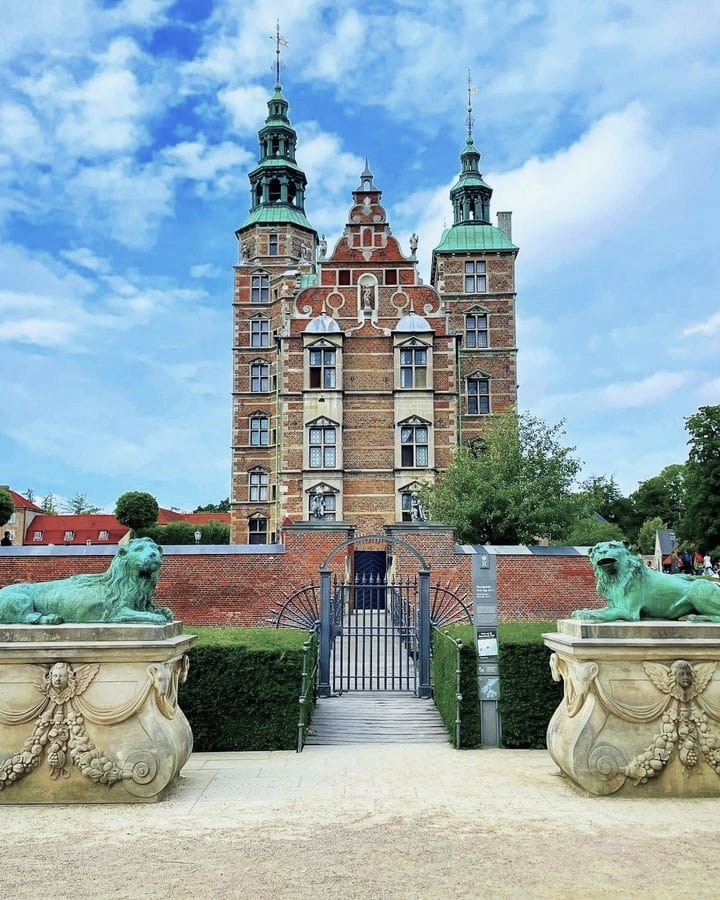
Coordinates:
470 195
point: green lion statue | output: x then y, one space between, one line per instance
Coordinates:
122 594
633 591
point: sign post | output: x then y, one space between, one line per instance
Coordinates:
485 614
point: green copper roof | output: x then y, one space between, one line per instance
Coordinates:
277 162
468 180
474 237
307 281
276 213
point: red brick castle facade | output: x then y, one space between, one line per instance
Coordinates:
353 382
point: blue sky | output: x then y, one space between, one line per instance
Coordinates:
127 130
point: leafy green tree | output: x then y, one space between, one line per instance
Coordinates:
587 531
7 506
78 505
701 522
222 506
662 496
646 535
136 509
511 487
184 533
600 494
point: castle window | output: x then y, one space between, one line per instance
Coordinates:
260 333
414 446
273 245
259 378
323 369
258 486
103 535
257 530
274 191
406 506
391 276
259 431
260 288
38 536
475 278
322 442
413 367
478 396
476 331
343 276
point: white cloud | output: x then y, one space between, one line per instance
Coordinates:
246 106
709 328
206 270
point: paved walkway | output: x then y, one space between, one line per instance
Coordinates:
380 821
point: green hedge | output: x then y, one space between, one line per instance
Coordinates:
243 688
528 695
184 533
444 678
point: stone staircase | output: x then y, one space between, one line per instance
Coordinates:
368 717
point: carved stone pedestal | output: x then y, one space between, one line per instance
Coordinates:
641 709
89 713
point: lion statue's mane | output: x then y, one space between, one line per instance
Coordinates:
633 590
121 594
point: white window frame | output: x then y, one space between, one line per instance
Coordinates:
475 276
260 332
260 288
258 485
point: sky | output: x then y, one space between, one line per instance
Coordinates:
128 128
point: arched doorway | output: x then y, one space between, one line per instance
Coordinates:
375 620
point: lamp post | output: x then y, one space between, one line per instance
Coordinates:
198 535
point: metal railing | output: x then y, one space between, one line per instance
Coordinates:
458 695
309 680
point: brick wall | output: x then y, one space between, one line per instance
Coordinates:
240 585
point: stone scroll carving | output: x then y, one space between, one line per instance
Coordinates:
618 724
59 732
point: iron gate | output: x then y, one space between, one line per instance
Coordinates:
375 635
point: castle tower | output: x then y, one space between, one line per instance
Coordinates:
277 248
473 270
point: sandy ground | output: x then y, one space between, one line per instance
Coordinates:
375 821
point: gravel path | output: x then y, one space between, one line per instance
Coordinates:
356 822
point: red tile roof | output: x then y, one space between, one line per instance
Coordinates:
84 528
23 502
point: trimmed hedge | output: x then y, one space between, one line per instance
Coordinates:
528 695
444 664
243 688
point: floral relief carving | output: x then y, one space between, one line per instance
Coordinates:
59 732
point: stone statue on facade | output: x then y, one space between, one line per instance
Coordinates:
317 506
322 247
417 511
413 244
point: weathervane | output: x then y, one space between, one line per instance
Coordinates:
471 89
279 42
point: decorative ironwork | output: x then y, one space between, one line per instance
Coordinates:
448 605
301 609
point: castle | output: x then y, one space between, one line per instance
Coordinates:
354 382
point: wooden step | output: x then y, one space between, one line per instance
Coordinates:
366 717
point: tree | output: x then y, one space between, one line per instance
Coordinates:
222 506
136 509
47 505
78 506
662 496
7 506
600 494
29 495
646 535
701 522
587 531
511 487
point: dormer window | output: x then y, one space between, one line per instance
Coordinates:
69 536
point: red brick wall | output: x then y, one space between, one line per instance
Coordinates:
241 588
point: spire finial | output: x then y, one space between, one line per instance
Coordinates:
471 89
279 42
